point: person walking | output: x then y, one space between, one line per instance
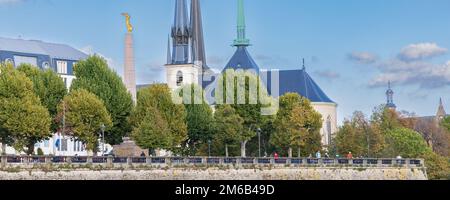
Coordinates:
349 155
318 155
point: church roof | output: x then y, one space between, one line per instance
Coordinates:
242 60
58 51
297 81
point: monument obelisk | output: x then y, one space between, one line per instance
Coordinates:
130 71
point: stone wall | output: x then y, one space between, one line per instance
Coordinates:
219 174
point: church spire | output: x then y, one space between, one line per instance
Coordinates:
241 38
441 111
198 44
303 67
169 53
390 97
180 34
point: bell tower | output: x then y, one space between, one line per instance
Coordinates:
180 70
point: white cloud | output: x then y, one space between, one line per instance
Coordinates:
363 57
328 74
421 51
425 74
410 67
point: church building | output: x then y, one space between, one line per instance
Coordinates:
186 64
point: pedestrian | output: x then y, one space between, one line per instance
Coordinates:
276 156
142 154
349 155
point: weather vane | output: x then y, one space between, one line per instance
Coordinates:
127 18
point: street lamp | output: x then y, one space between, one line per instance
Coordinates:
259 141
209 148
103 138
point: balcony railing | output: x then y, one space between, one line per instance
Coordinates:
211 161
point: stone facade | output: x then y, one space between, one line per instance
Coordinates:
225 174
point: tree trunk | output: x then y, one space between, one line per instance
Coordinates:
290 152
3 148
30 149
243 143
226 150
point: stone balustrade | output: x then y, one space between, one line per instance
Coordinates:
112 162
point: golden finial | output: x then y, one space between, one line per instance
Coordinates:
129 26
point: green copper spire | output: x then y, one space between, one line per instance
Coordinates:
241 39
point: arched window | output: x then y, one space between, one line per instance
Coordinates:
179 78
329 130
9 61
45 65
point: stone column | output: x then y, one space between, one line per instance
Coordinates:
129 69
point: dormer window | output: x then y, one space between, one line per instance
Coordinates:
45 65
9 61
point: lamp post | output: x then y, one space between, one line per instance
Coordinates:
259 141
209 148
103 138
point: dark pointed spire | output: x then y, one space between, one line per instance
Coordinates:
169 54
180 34
241 39
304 67
441 111
390 97
198 44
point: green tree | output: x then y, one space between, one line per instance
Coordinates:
152 132
23 120
48 86
405 142
159 96
229 125
446 123
297 125
199 117
84 114
359 137
248 96
94 75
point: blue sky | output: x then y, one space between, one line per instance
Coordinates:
352 47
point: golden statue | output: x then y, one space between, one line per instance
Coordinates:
129 26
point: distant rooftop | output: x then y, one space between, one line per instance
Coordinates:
59 51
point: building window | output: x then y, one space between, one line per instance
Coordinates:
45 65
64 145
179 78
9 61
61 67
18 60
329 130
46 143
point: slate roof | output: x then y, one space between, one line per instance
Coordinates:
242 60
58 51
297 81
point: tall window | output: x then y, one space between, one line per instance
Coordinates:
329 130
179 78
61 67
64 145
